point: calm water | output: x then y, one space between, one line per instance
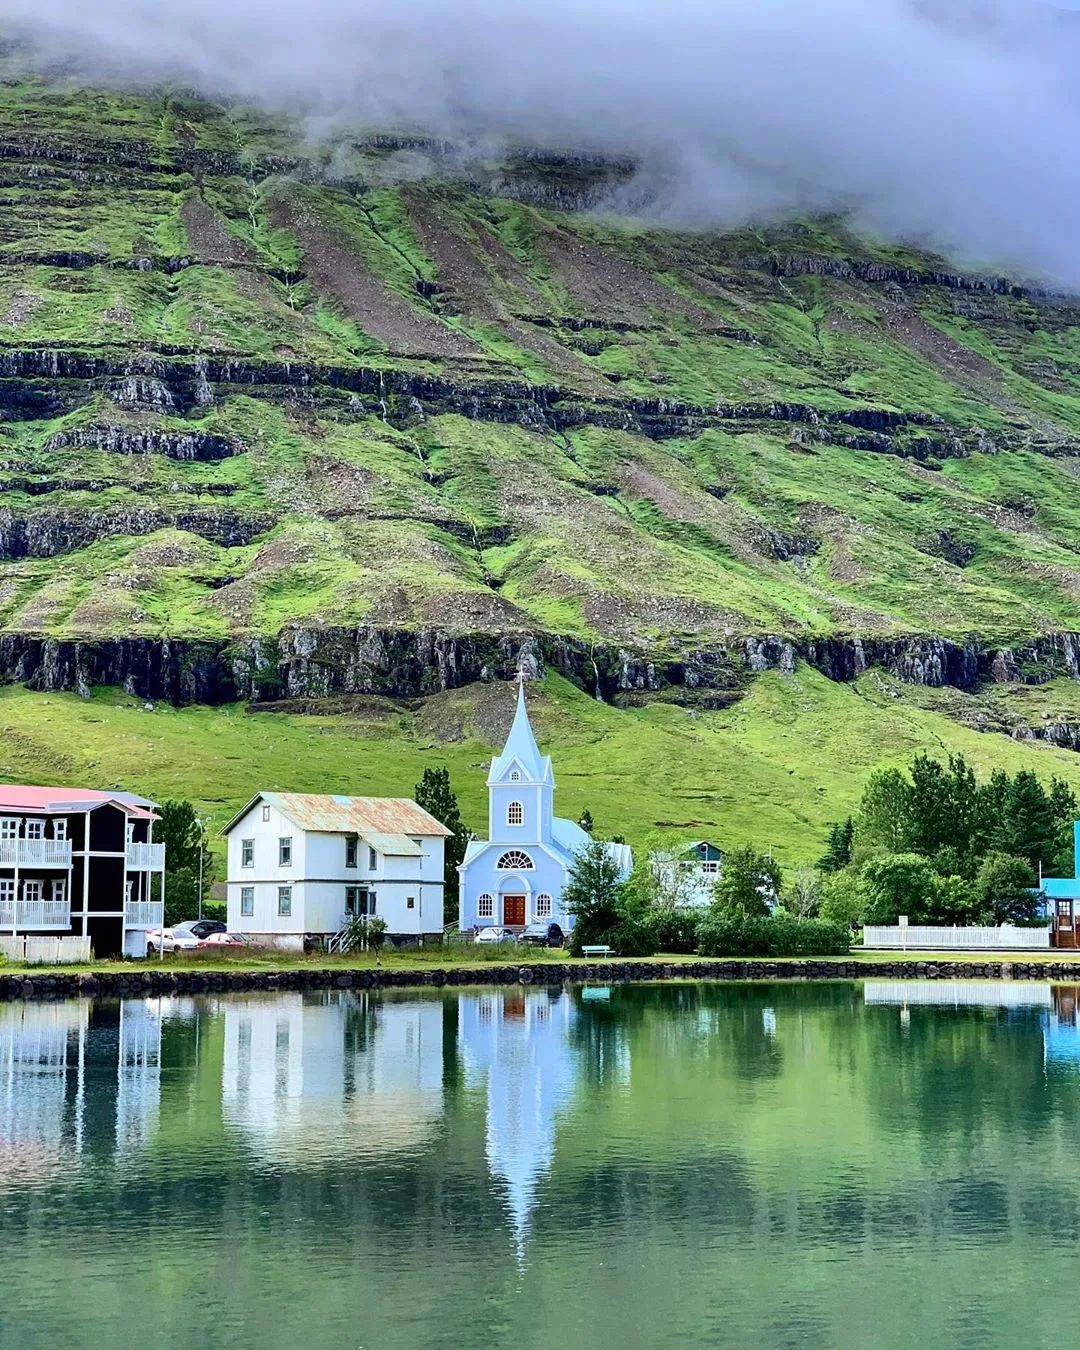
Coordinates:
772 1165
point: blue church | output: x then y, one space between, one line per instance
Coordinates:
516 876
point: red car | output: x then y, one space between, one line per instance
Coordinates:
221 940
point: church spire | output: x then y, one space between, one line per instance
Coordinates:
521 746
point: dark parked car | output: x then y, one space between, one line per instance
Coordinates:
202 928
543 935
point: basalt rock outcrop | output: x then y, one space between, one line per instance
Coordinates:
47 534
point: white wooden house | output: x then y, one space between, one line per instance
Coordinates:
686 877
302 865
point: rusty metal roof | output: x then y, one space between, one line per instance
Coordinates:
367 816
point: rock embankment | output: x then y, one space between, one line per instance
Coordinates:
147 981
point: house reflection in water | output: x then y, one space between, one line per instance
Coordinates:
308 1077
54 1058
1061 1026
522 1049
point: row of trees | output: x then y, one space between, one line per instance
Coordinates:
934 843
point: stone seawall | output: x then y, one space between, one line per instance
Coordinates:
143 982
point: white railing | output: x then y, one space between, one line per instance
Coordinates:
35 914
1005 938
35 852
144 913
146 857
46 951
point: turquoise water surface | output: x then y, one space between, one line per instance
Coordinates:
842 1164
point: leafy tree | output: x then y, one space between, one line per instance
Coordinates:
593 894
745 884
585 820
803 896
838 848
177 827
435 795
884 812
952 900
1003 889
898 883
843 899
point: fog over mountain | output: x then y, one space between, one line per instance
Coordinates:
954 123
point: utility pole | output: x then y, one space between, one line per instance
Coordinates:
203 822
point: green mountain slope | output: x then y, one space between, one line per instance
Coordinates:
287 420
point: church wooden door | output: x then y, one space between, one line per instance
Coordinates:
514 911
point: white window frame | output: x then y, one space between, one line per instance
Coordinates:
129 891
284 850
32 890
284 896
485 906
59 890
515 809
7 890
59 830
543 905
710 869
247 901
9 828
372 859
515 860
265 812
352 851
247 852
515 777
35 829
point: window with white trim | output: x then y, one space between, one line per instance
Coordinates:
485 906
284 901
59 829
514 860
266 813
247 852
31 890
7 890
710 868
284 851
352 851
247 901
372 860
35 829
9 828
359 902
543 906
129 891
515 814
515 777
59 891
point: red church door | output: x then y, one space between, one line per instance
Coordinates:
514 911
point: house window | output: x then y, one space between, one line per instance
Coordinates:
710 868
515 777
513 860
284 900
247 852
31 891
35 829
7 890
266 813
543 906
372 860
129 892
9 828
59 829
410 902
59 892
485 906
247 901
352 851
284 852
515 814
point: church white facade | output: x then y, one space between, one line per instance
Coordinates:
516 876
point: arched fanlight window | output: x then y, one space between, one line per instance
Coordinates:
515 814
513 860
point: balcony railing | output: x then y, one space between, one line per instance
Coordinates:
35 852
146 857
34 914
144 914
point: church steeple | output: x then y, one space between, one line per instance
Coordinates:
521 749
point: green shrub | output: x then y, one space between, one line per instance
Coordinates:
674 930
780 934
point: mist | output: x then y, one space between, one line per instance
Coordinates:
949 123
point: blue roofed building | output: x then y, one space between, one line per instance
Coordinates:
516 876
1063 900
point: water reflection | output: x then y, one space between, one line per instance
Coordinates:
510 1166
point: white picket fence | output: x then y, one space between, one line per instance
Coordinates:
46 951
914 938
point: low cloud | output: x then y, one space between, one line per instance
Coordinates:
953 123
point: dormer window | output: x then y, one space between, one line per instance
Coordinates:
515 814
515 777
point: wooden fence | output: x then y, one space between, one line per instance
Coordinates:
46 951
1006 938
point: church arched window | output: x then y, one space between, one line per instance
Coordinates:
515 814
543 906
485 906
513 860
